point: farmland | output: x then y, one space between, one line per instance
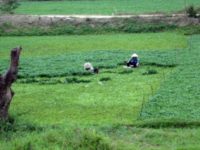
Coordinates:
174 105
103 7
60 103
54 45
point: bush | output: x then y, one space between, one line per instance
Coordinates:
191 12
8 6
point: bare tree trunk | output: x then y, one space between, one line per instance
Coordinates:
6 81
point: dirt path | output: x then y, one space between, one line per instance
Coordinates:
47 20
110 16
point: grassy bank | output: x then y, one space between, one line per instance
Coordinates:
126 26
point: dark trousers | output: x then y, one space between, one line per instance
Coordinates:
131 64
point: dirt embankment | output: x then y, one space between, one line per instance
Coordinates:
48 20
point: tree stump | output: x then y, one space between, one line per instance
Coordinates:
6 80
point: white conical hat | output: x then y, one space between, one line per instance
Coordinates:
134 55
88 65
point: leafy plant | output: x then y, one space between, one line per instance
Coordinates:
57 66
105 79
150 72
76 80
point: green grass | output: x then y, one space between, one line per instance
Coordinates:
109 137
105 7
159 139
54 45
87 103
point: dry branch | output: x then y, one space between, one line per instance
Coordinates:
6 80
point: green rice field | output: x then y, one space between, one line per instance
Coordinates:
104 7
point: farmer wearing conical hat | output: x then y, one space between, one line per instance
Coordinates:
89 67
134 61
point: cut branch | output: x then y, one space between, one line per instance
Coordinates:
6 80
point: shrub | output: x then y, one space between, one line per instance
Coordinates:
8 6
190 30
191 12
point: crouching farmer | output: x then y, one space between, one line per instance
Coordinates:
134 61
88 66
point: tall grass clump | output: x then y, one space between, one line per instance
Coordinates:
60 138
